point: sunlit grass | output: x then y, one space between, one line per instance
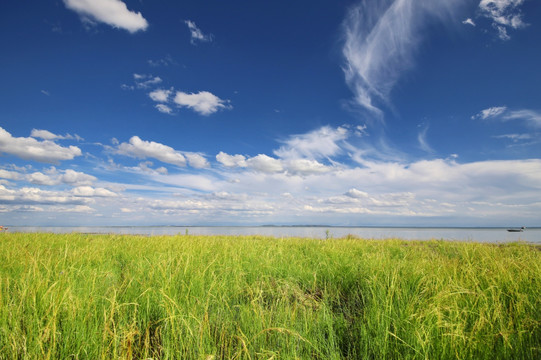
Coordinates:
83 296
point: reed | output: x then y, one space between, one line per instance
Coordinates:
84 296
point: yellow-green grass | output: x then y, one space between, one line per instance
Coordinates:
85 296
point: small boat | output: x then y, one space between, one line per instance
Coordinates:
3 228
517 230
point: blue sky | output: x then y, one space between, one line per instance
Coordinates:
244 113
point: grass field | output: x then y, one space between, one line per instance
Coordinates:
83 296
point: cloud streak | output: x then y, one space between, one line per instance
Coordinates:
380 41
196 33
530 117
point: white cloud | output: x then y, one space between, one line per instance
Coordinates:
468 21
196 33
490 112
29 195
531 117
317 144
203 102
265 164
164 109
85 209
10 175
160 95
69 177
72 177
39 178
111 12
149 149
354 193
380 40
166 61
515 137
306 185
231 160
31 149
88 191
47 135
197 161
504 14
146 167
145 81
423 142
305 167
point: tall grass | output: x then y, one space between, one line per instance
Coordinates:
83 296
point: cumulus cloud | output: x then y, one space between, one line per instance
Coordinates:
317 144
354 193
72 177
197 161
10 175
31 149
149 149
305 167
89 191
231 160
69 177
196 33
30 195
504 14
111 12
160 95
380 39
203 102
41 179
265 164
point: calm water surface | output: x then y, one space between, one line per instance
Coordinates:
532 235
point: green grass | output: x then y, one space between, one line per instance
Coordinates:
83 296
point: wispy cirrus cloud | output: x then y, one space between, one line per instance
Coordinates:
380 40
111 12
47 135
196 33
530 117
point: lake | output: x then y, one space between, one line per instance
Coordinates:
497 235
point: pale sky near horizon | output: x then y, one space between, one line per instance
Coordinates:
342 112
